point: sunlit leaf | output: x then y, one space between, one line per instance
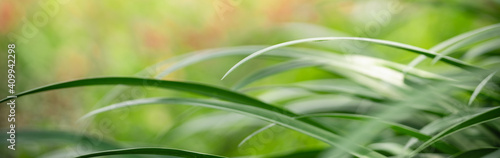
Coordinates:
486 115
268 115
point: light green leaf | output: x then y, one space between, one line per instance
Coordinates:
480 87
394 126
414 49
451 42
254 111
478 118
174 85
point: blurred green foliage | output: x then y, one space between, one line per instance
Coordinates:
122 38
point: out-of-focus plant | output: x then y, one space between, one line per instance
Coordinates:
406 111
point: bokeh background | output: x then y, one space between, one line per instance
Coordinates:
70 39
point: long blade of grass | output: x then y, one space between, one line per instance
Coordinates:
255 133
491 33
268 115
480 87
174 85
450 42
410 48
394 126
482 49
200 56
481 117
150 151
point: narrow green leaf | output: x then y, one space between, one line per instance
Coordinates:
480 87
255 133
204 55
394 126
482 49
414 49
450 42
174 85
487 115
258 112
150 151
487 34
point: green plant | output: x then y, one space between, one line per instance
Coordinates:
450 114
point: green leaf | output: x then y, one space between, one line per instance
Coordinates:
150 151
487 34
199 56
487 115
174 85
394 126
451 42
414 49
254 111
255 133
482 49
480 87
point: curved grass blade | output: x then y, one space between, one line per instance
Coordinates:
174 85
150 151
394 126
482 49
450 42
203 55
487 115
282 67
197 57
492 33
441 124
480 87
255 133
265 114
294 53
414 49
